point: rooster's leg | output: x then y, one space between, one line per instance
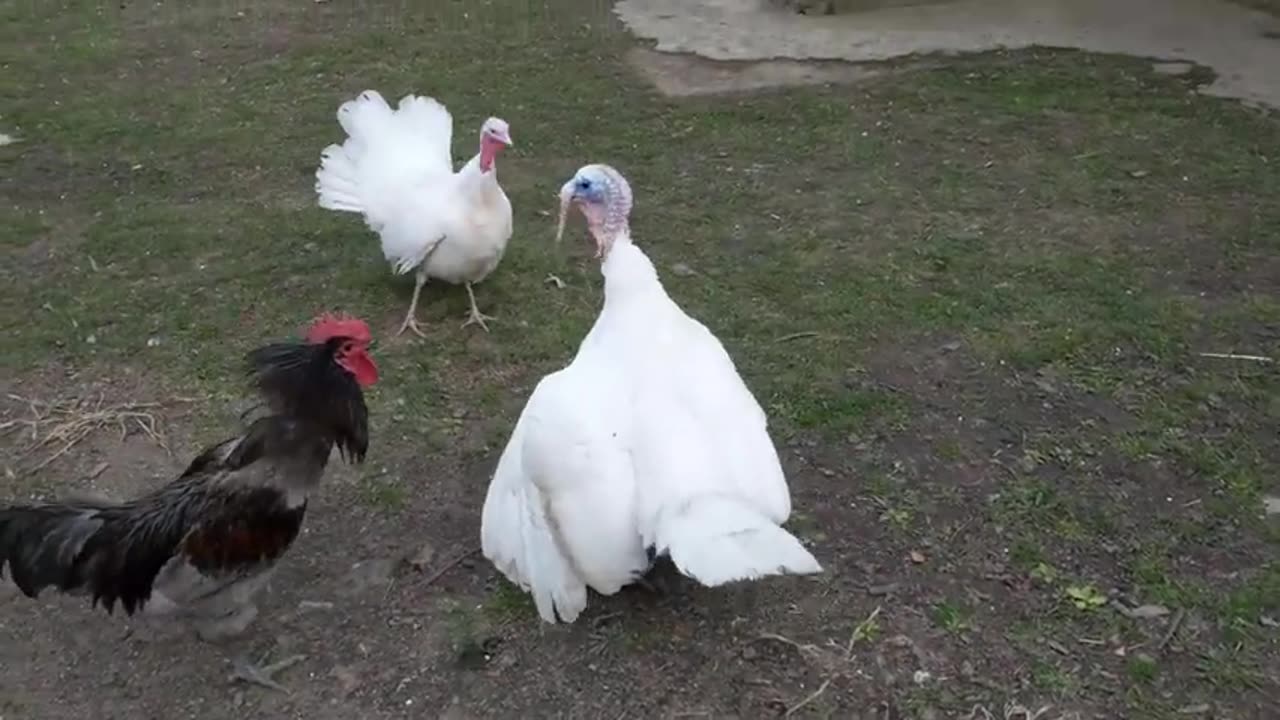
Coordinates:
262 675
410 322
227 626
232 625
476 317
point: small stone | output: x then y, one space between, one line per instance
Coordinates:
92 339
917 557
682 270
1138 173
421 560
347 679
153 342
1271 505
368 574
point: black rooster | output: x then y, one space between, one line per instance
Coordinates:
202 546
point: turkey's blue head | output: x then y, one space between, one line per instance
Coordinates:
604 197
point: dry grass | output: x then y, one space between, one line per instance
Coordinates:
62 424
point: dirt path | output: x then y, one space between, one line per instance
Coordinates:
1241 45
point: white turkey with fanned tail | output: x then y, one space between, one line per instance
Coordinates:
396 169
647 444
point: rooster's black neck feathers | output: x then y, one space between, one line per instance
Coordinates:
305 384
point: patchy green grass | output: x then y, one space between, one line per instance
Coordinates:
972 299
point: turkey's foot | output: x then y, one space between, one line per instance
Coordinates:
410 319
410 323
659 579
475 317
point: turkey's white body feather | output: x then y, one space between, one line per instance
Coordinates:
648 439
395 168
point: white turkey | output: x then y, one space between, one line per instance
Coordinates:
647 444
396 169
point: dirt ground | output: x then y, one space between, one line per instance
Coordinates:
1238 40
972 293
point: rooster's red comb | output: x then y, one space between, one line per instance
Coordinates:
330 325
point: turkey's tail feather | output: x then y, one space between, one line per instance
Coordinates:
717 539
386 168
516 539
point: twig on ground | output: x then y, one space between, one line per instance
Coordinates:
1013 708
812 696
832 663
1174 624
449 566
973 714
796 336
1234 356
859 632
811 649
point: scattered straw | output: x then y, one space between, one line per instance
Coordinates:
833 660
64 423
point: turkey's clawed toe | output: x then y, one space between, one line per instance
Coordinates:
475 317
410 323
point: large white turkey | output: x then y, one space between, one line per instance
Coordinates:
647 444
396 169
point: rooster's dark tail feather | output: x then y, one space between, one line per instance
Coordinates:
41 545
79 548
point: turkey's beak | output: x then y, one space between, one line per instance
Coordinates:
566 199
568 194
